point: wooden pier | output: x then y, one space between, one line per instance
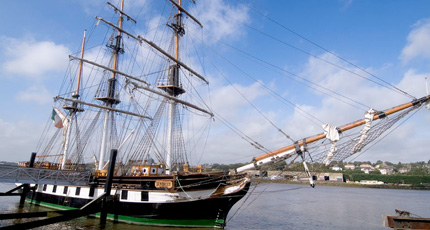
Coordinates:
34 176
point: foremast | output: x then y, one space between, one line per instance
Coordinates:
73 109
110 97
299 147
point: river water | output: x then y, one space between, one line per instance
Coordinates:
285 206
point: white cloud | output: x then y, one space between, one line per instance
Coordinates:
230 106
228 101
220 19
17 140
32 59
357 88
348 92
414 83
394 147
418 42
38 94
401 145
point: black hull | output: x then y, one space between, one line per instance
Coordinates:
210 212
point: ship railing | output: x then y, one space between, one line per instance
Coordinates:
15 174
163 81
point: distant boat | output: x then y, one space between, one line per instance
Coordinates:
371 182
132 101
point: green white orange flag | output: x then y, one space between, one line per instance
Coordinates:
58 118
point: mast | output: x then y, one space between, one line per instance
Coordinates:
110 99
73 109
288 151
172 86
78 84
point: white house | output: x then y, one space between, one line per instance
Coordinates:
336 168
350 166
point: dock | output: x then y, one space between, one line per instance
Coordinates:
29 178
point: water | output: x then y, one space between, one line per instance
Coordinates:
286 206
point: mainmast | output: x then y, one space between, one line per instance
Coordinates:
172 86
110 99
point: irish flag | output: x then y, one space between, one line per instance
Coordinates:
57 117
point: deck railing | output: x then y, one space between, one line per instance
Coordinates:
15 174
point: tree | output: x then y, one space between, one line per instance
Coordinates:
275 167
418 171
399 165
389 163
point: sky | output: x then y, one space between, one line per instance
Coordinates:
334 43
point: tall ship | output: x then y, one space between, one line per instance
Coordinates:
133 96
139 112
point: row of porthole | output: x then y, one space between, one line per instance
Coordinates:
66 188
124 193
144 195
153 170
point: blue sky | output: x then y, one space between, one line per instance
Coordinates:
390 39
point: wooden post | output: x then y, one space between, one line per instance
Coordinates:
32 158
108 186
26 187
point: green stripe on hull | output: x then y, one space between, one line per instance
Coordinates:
210 223
50 205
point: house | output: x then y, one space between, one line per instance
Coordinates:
336 168
350 166
387 170
381 165
404 170
367 168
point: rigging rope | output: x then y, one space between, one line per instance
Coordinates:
242 135
289 103
245 200
250 103
387 133
395 89
330 52
346 148
261 61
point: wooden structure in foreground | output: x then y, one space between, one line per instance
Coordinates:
405 221
97 205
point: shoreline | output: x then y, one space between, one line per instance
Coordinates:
343 184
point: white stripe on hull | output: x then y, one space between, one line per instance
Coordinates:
135 195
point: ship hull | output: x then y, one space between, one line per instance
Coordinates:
204 208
